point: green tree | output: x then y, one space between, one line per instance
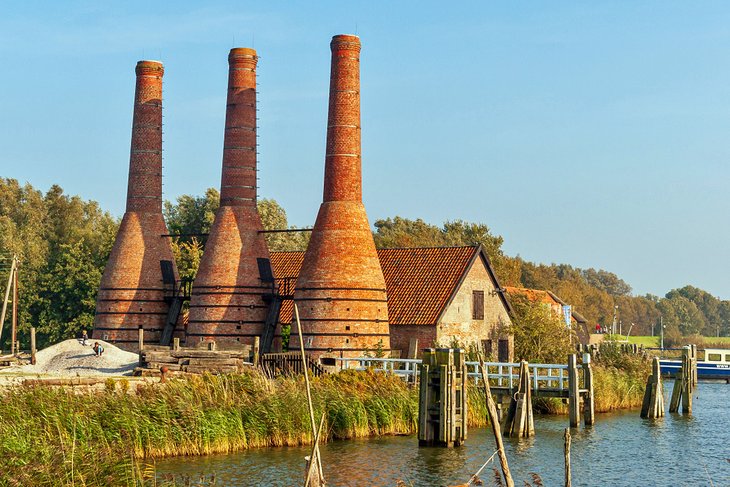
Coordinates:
540 335
62 243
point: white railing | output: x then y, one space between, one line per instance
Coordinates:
550 376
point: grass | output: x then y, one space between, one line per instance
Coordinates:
646 341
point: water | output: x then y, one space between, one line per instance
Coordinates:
620 450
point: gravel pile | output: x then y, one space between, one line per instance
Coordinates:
71 359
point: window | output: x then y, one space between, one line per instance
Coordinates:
477 308
714 357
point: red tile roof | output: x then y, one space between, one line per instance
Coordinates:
420 281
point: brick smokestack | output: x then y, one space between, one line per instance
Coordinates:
132 293
341 290
227 303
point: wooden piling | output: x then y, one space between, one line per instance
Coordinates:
442 412
589 399
573 391
519 421
684 382
567 457
32 345
653 403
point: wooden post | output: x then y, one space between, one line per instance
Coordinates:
687 380
442 411
176 344
653 403
32 345
313 477
140 339
519 421
14 334
589 401
412 348
573 391
567 457
494 422
256 344
677 390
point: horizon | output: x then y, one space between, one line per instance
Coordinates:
584 134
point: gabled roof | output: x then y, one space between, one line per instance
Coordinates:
421 282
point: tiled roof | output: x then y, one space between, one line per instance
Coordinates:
419 281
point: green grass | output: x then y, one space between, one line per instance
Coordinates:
647 341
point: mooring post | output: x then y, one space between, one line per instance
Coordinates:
520 422
589 401
32 345
653 404
176 344
677 389
573 391
442 410
687 380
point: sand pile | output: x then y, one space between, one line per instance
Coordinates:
70 358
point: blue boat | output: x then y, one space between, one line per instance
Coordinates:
715 366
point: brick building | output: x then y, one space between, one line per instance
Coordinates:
436 295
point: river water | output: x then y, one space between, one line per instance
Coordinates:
620 450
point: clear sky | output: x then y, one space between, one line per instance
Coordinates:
589 133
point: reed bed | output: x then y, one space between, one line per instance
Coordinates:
53 436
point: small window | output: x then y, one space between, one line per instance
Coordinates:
477 309
727 357
714 357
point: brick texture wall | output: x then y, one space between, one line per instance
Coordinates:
341 290
131 293
227 302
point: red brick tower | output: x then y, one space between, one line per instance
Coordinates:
340 291
227 301
132 293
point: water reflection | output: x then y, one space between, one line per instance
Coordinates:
620 450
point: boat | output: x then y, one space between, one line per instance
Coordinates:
715 366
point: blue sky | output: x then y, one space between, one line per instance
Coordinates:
590 133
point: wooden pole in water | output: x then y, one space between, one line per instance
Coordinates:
315 451
567 458
32 345
573 392
317 481
589 402
494 422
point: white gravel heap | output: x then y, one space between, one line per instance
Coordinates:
70 359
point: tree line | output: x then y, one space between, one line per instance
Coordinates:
63 243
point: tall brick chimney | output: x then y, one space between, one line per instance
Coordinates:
341 290
132 293
227 302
